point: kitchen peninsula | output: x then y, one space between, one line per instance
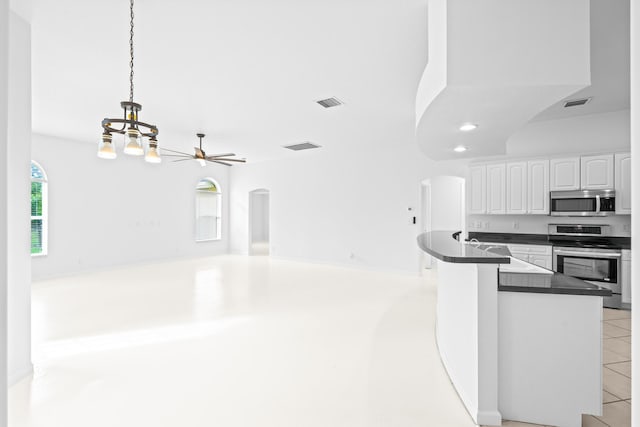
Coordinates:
519 342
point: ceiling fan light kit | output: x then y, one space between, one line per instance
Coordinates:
133 129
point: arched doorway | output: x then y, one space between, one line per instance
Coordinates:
259 222
442 207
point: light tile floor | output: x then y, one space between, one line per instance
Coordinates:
236 342
251 341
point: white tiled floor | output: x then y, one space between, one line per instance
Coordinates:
235 341
251 341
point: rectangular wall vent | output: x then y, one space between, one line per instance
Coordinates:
576 102
302 146
330 102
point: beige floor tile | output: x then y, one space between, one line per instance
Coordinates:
610 314
591 421
611 357
621 323
608 397
623 368
618 346
617 414
612 331
616 384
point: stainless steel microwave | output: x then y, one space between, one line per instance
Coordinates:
583 203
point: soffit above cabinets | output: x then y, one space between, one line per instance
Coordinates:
491 67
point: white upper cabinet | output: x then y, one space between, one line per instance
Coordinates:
478 190
565 174
538 187
496 189
517 188
623 183
596 172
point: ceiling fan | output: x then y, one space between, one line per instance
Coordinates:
201 156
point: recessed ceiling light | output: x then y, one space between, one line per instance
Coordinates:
467 127
460 149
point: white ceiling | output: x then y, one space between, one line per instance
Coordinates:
247 72
610 61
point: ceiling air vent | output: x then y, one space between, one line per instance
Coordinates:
301 146
330 102
576 102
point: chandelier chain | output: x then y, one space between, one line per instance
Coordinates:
131 54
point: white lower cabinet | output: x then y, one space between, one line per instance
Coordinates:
626 276
539 255
544 261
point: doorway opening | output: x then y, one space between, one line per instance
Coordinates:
259 222
442 207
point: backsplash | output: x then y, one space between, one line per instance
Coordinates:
538 224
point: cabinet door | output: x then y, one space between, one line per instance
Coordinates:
496 189
520 255
623 183
478 190
565 174
543 261
517 188
596 172
538 187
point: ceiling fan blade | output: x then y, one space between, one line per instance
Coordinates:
174 151
178 155
221 155
182 160
228 160
222 163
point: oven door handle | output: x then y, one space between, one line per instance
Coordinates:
588 254
597 203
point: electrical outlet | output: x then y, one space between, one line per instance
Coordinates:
486 225
516 225
479 225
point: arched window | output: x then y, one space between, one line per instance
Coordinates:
38 210
208 210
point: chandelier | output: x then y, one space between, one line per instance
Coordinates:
133 129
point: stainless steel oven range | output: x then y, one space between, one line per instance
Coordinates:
582 252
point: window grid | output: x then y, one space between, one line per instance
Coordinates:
38 210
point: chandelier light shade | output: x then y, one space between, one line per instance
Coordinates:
133 130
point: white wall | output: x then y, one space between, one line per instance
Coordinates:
4 162
580 134
19 180
342 206
109 213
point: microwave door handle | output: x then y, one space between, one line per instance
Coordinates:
597 204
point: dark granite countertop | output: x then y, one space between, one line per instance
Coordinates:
442 245
515 238
556 283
